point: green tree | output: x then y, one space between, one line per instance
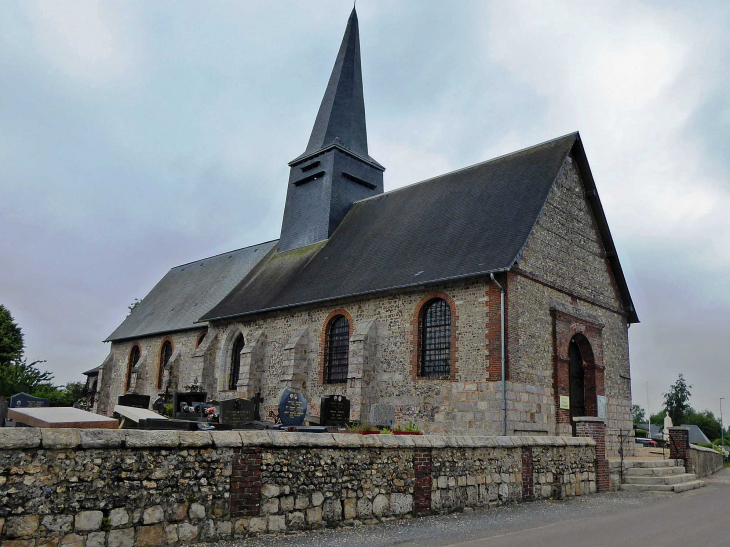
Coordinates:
11 338
657 419
22 377
639 414
676 400
706 421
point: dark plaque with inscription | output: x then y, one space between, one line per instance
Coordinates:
136 401
292 408
334 410
23 400
237 412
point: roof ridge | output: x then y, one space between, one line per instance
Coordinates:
469 167
223 253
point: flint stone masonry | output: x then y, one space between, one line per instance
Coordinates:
149 488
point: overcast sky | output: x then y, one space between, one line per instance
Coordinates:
136 136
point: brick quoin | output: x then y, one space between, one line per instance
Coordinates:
528 478
494 329
597 431
246 482
422 484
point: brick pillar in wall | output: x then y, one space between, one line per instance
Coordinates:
679 445
595 429
422 485
528 484
246 482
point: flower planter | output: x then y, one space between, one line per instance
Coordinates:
407 432
370 432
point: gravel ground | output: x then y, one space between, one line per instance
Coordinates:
478 524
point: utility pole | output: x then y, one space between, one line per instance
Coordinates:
722 427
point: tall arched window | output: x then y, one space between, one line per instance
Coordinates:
337 350
133 358
165 354
238 344
435 339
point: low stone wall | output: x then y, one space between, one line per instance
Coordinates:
704 461
118 488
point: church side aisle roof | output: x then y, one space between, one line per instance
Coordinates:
188 291
469 222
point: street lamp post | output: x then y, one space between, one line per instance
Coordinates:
722 427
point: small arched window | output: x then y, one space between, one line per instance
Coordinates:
133 359
435 339
238 344
337 350
165 354
201 337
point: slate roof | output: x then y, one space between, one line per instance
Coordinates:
188 291
341 117
696 435
470 222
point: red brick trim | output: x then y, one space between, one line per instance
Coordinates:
246 482
679 445
128 381
323 340
160 369
493 328
422 463
597 432
416 339
528 478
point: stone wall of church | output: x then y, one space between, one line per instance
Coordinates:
563 266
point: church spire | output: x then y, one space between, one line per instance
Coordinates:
341 116
335 170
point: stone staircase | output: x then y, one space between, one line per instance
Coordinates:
655 475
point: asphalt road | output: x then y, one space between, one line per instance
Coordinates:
696 518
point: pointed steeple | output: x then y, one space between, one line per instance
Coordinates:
341 116
335 170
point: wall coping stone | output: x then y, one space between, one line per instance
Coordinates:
12 438
589 419
703 449
678 428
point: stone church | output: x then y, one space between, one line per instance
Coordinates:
427 297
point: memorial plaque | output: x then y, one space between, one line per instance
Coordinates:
564 402
382 415
23 400
292 408
237 412
602 403
136 401
334 410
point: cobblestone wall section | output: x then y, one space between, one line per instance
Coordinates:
116 488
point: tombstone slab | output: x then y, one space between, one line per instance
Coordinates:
131 399
237 413
382 415
135 413
292 408
334 410
59 417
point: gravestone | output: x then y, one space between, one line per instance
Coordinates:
159 405
61 417
23 400
136 401
3 410
334 410
237 413
292 408
257 401
187 405
382 415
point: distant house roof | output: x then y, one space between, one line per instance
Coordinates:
696 435
470 222
655 431
189 291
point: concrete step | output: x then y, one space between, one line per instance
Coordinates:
668 479
654 471
655 462
677 488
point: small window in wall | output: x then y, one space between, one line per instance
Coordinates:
337 350
201 337
236 362
133 359
435 339
165 354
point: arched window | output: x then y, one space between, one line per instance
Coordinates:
238 344
201 337
165 354
133 358
337 350
435 339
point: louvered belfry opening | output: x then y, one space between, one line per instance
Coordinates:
235 362
435 338
337 350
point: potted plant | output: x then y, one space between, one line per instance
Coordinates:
408 429
362 429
